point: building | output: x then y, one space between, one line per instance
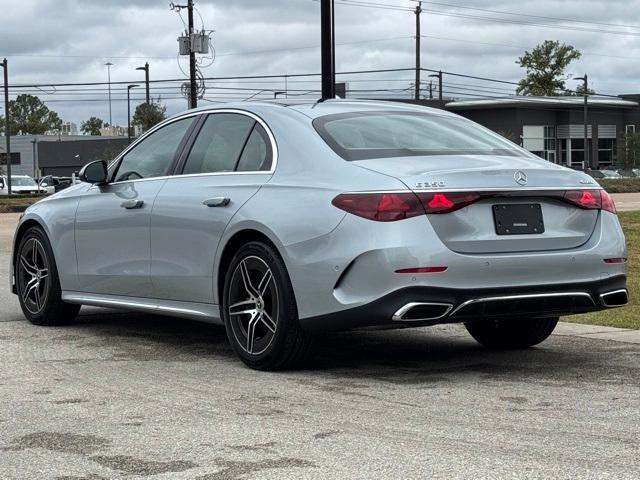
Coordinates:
553 127
40 155
117 131
66 129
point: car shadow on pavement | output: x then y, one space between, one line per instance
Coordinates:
398 356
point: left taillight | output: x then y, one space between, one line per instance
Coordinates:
380 206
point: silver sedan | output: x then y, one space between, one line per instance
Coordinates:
279 221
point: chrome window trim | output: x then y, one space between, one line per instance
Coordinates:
523 297
272 140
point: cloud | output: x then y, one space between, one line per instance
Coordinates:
59 41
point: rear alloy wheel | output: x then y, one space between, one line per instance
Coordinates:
37 282
511 333
260 312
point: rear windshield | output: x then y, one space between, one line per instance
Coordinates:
366 135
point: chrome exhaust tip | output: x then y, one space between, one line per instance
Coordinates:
616 298
422 311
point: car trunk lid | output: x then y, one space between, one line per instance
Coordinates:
521 195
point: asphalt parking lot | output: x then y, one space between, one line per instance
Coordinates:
121 395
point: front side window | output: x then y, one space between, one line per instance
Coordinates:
220 143
386 134
153 156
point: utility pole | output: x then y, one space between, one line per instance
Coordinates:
327 43
430 90
146 79
585 79
129 87
418 11
7 122
109 65
192 60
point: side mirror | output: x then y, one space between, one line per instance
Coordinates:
94 172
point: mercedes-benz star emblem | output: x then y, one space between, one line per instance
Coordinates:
520 177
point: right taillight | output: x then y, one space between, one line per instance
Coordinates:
591 199
381 207
607 202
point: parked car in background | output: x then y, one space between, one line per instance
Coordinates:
603 174
20 184
627 173
55 184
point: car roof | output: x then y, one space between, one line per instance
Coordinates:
318 109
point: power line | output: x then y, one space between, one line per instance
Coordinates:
363 3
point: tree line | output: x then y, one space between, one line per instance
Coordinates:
29 115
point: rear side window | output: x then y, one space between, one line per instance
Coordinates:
387 134
257 152
220 143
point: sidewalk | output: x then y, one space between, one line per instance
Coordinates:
626 201
598 332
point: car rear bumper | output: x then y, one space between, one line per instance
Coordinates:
422 306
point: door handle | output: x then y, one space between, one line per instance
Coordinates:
217 202
131 204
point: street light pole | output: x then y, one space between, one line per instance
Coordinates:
439 77
129 87
418 11
585 79
109 65
146 79
7 129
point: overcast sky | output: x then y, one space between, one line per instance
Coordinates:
67 41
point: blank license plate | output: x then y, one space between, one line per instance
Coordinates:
518 219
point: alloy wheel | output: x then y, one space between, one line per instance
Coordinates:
252 305
33 276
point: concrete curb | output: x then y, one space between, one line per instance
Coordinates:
624 335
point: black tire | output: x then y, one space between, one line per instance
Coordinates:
38 284
267 308
511 333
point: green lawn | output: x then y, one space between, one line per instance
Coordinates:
9 201
629 316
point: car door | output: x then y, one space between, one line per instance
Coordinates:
229 160
112 220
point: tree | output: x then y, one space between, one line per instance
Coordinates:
92 126
149 114
631 153
545 66
29 115
579 91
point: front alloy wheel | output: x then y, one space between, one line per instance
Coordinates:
37 281
33 276
260 312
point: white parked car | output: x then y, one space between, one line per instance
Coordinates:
20 184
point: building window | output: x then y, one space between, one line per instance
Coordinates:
540 140
629 129
550 143
607 151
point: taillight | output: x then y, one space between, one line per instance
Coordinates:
607 202
591 199
446 202
382 207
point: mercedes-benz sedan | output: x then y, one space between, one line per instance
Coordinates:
279 221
